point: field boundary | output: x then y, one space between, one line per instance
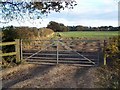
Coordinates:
17 49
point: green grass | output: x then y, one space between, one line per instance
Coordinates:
89 34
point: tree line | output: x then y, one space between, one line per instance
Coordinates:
60 27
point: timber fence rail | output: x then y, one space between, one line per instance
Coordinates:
17 49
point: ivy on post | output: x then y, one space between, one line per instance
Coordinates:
17 49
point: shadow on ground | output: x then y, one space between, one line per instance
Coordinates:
38 70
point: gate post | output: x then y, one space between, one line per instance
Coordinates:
21 53
57 51
98 61
105 56
17 49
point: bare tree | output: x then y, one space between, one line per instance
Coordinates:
22 10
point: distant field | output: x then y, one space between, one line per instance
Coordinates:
90 34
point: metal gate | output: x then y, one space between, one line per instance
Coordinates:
74 51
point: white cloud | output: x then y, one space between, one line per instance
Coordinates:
85 7
94 6
84 22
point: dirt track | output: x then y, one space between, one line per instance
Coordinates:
46 76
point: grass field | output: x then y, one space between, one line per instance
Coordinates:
90 34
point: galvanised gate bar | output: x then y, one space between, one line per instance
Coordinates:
75 51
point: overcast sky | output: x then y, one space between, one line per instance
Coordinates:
86 13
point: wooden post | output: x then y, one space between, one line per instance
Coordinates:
105 62
17 49
98 52
105 59
21 58
57 52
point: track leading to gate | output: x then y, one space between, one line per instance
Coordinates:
65 55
